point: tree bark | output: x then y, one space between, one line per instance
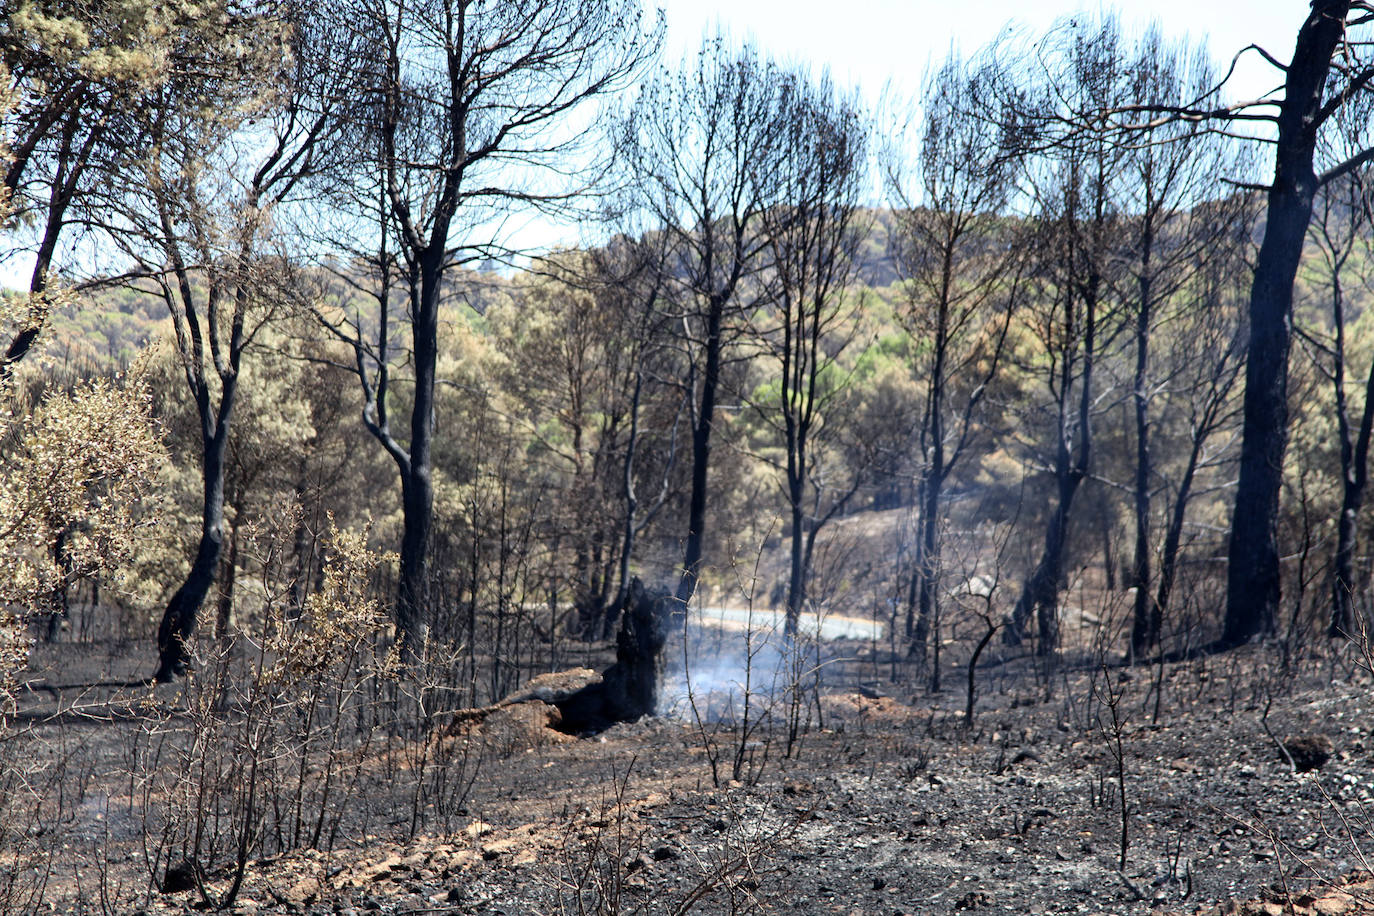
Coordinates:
1253 582
1146 623
701 452
229 575
1355 477
417 475
179 618
926 574
1040 593
933 479
796 581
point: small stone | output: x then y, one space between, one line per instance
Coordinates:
497 848
303 892
1334 905
973 900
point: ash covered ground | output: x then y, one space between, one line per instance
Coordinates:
889 802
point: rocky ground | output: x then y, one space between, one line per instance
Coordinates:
889 804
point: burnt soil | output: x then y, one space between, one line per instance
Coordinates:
889 804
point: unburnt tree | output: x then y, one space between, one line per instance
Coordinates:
958 256
813 234
702 142
564 367
471 110
632 275
577 336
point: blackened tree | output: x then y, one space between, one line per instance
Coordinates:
958 257
471 111
813 233
702 143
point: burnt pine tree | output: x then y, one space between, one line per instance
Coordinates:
813 235
951 251
631 275
468 114
701 143
1172 230
1329 68
195 217
1340 234
1203 359
1075 189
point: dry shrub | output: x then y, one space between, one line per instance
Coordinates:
277 724
76 495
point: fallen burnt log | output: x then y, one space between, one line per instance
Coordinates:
579 700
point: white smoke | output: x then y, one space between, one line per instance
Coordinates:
727 664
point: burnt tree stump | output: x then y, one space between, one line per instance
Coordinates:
628 689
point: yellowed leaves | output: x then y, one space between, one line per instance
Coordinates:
340 621
76 496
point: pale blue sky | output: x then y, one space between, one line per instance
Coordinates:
868 42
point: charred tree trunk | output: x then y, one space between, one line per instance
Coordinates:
1146 623
629 527
628 689
701 452
926 575
179 618
1253 587
932 481
417 484
229 574
796 580
300 545
61 593
1173 537
1354 478
1040 593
